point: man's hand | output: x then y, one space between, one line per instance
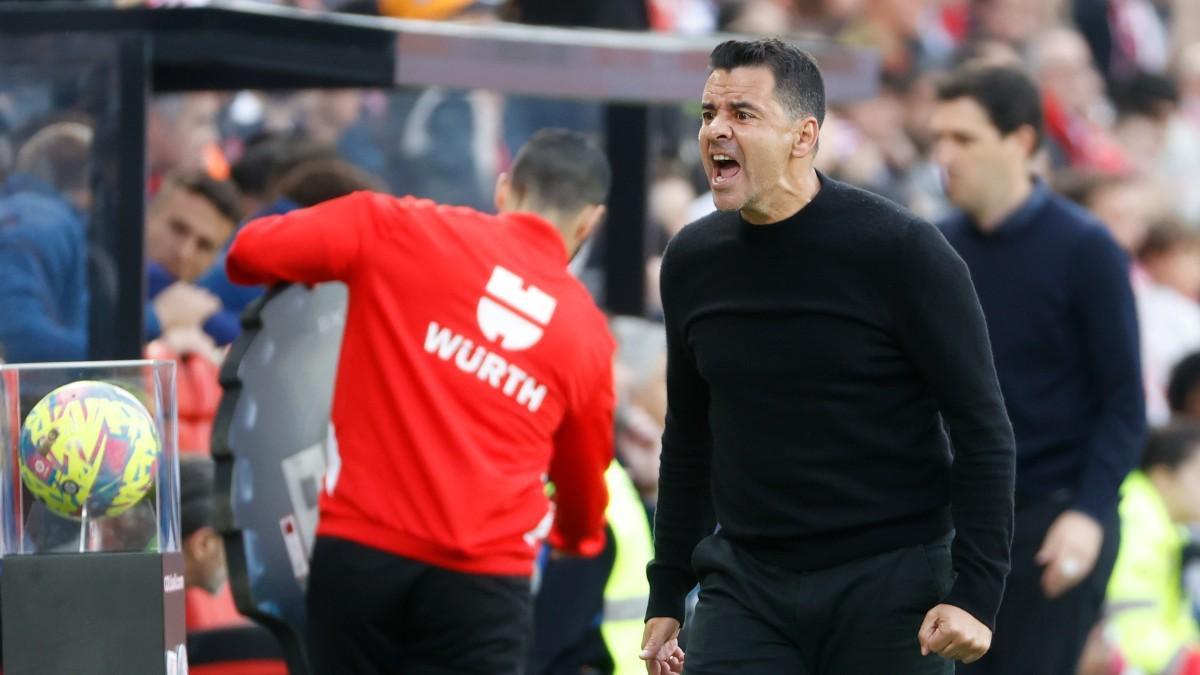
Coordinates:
1069 552
954 634
660 646
183 305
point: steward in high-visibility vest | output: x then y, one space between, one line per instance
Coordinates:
627 591
1151 615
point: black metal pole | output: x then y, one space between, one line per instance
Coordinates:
115 241
628 130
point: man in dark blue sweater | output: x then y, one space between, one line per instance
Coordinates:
1055 289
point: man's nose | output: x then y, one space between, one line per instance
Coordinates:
187 250
719 129
942 153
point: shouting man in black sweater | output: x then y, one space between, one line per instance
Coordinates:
818 338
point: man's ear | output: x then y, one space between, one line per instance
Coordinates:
1026 137
202 542
589 218
503 188
192 544
807 136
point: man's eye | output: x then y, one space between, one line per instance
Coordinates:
743 116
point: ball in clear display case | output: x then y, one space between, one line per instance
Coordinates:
89 515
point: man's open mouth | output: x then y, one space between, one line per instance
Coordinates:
724 168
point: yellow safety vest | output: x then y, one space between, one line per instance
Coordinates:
627 591
1151 615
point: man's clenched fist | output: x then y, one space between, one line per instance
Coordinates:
954 634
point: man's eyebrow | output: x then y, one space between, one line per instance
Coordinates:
744 105
736 105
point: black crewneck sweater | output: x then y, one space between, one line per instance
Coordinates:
810 366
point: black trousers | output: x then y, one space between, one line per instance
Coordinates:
371 612
858 618
1036 635
566 615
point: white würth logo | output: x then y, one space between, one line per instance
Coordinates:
519 329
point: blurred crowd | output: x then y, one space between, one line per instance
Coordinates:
1120 81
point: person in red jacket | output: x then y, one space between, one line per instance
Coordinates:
474 367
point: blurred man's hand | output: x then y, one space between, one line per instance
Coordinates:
183 305
1069 552
192 340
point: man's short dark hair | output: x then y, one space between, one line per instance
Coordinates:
799 85
220 193
196 493
268 157
562 171
1008 96
1171 446
1184 379
1146 94
1167 236
320 180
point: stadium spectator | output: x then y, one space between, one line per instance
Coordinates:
1183 389
219 640
1171 257
1188 73
1151 613
1160 141
44 204
265 159
187 223
198 355
641 402
256 175
1167 309
1078 116
209 603
1128 204
455 138
1014 22
182 135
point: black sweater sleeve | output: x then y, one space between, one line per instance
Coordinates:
943 331
684 514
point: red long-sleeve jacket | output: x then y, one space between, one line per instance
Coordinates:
473 366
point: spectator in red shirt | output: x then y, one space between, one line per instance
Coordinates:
209 602
473 366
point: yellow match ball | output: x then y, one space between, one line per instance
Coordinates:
89 444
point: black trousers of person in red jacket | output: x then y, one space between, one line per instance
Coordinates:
449 622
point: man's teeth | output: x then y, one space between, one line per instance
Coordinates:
722 158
